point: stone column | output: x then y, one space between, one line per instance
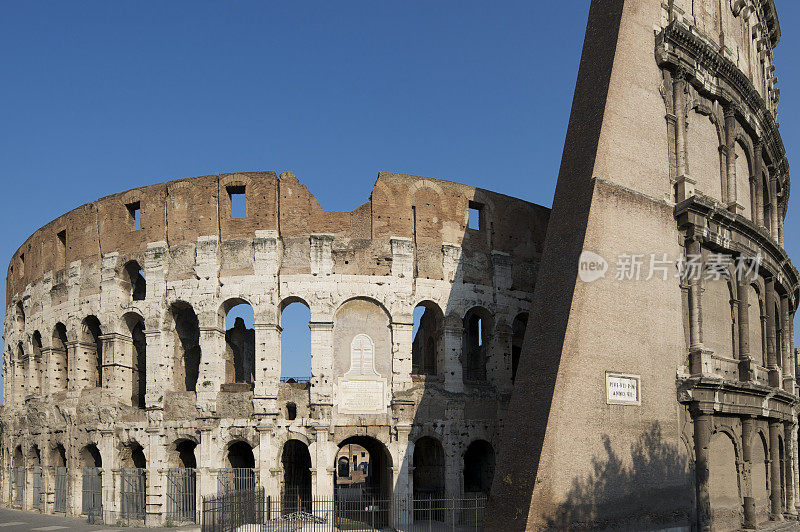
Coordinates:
156 462
212 363
74 372
322 474
789 431
730 153
321 364
160 373
266 462
772 355
206 463
453 371
108 495
759 184
403 483
773 211
499 363
402 340
117 364
699 356
747 469
786 354
268 367
684 184
702 437
776 506
746 363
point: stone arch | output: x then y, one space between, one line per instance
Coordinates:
429 468
239 454
719 316
760 474
20 374
90 456
518 327
185 328
296 479
479 462
58 366
91 347
132 455
379 477
133 281
755 324
58 455
744 186
703 155
134 325
293 311
724 483
427 348
20 317
181 453
240 341
476 343
36 361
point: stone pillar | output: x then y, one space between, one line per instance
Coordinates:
117 365
776 506
268 367
772 355
730 157
109 497
789 431
403 483
324 457
453 371
155 503
266 461
683 183
73 377
499 360
700 357
758 217
321 363
212 362
773 211
206 463
747 469
746 362
402 339
786 354
159 367
702 437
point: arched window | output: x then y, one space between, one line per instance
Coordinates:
240 342
185 450
475 344
59 369
296 488
778 335
362 356
135 326
19 373
295 341
134 281
478 467
36 361
427 332
291 411
20 317
92 351
517 336
187 346
429 478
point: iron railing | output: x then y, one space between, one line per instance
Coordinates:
36 486
133 492
236 479
182 495
92 491
20 486
299 380
228 511
60 490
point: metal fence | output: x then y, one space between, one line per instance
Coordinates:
182 495
60 490
133 492
92 491
37 487
228 511
20 486
236 479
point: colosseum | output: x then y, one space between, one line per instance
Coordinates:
122 377
625 360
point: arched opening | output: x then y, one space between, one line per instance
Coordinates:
476 344
703 155
182 482
296 485
517 336
187 346
59 369
428 460
19 477
135 326
767 203
478 467
743 179
133 491
370 481
723 481
134 282
20 375
784 472
295 341
291 411
92 485
92 351
719 319
343 467
20 317
754 324
240 342
240 471
58 460
778 334
35 465
427 332
36 361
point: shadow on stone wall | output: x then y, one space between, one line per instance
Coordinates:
658 473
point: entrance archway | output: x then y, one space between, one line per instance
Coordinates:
296 486
371 479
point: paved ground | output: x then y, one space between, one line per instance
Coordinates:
18 521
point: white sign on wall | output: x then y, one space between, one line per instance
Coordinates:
623 389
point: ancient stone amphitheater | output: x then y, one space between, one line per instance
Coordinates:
127 397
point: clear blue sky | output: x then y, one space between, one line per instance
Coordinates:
100 97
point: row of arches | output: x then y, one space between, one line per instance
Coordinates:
185 346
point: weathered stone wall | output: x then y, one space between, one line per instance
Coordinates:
83 331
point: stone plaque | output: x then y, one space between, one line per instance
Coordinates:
362 396
623 389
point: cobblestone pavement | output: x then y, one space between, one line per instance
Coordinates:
19 521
